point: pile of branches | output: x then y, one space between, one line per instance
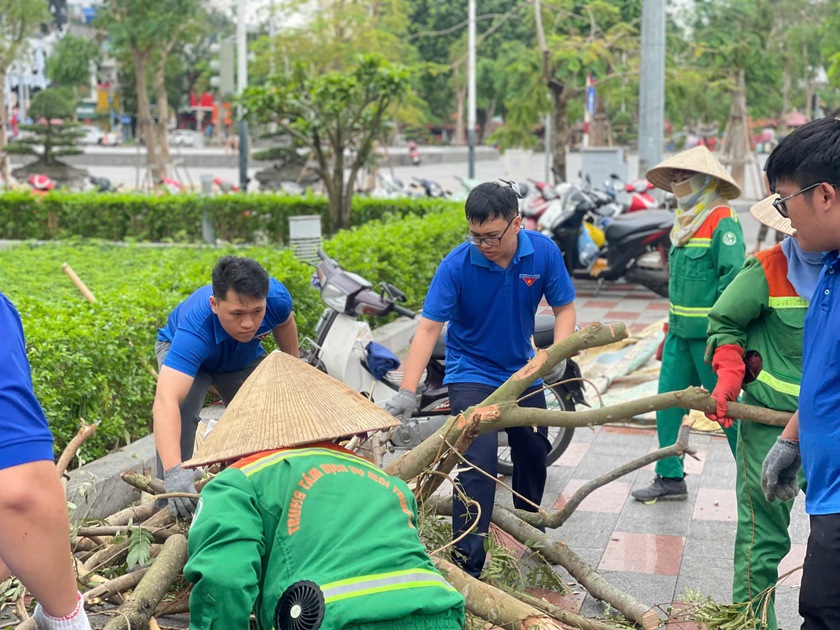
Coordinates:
153 546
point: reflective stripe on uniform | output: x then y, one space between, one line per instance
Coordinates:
787 302
776 384
699 241
383 582
690 311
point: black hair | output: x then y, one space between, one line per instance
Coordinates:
244 275
489 201
808 155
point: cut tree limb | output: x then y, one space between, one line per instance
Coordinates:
559 553
413 463
115 586
556 519
69 452
569 618
143 482
493 604
167 567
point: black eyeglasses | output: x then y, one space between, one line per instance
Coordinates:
490 241
781 204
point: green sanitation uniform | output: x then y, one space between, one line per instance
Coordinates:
761 311
321 514
700 271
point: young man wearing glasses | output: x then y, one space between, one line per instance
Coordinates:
488 291
803 171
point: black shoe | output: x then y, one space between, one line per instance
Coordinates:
662 488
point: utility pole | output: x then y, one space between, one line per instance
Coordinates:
241 84
471 89
652 85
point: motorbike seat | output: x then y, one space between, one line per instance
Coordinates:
627 224
439 351
544 330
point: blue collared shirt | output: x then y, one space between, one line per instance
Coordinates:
199 340
819 396
491 310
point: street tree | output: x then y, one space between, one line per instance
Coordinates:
597 39
18 20
53 135
336 114
147 32
70 64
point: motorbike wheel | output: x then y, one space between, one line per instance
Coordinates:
558 437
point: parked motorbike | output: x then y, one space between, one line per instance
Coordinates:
429 188
414 153
341 349
223 187
634 246
40 184
540 196
639 195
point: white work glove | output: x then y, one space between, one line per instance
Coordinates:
778 473
77 620
402 405
556 375
178 479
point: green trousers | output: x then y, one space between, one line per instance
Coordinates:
682 366
762 539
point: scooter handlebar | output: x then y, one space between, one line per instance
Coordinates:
404 311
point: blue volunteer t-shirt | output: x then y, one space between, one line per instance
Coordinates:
199 341
24 433
491 310
819 394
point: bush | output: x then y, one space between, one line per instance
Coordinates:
133 217
97 361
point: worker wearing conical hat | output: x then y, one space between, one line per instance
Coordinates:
707 251
755 342
300 531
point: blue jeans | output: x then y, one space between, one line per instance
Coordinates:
528 449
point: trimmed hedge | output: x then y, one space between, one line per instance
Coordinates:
97 361
133 217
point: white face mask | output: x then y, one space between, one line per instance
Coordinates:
688 191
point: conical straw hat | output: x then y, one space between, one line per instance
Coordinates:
286 402
767 214
700 160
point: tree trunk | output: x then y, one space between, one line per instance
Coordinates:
781 129
166 569
145 124
559 134
4 139
488 602
489 113
460 136
162 100
337 207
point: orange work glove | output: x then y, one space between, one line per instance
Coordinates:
662 345
728 364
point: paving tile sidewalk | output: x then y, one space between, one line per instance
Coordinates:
658 552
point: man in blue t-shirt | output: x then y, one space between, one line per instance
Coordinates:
488 290
213 338
804 172
33 510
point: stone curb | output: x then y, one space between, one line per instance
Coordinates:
96 488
